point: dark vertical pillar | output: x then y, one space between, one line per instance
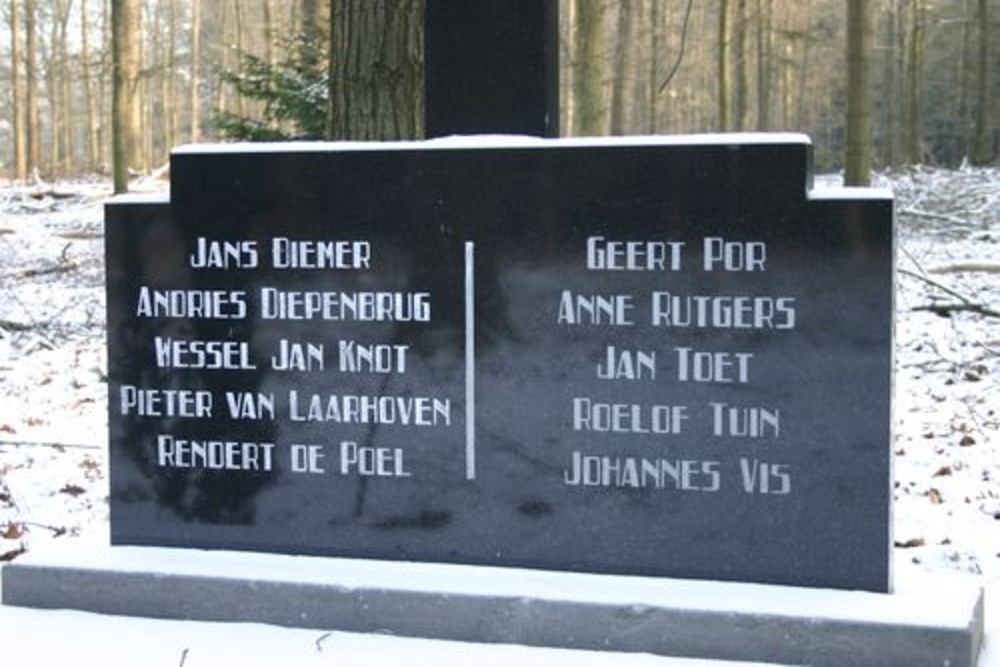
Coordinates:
491 66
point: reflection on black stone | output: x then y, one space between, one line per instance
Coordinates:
423 520
535 508
192 493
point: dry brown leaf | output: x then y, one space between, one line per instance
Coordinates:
73 490
966 441
14 531
11 555
943 471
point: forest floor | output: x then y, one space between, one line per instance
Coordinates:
53 390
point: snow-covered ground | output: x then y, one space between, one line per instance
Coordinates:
53 474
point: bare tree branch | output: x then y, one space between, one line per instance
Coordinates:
680 52
949 308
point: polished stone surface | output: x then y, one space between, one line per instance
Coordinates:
664 359
491 66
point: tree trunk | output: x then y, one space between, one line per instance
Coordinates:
859 47
376 65
567 70
93 143
787 70
170 80
589 75
67 139
623 93
154 87
20 142
740 89
220 104
723 64
269 32
765 37
655 46
914 152
125 119
901 78
800 110
195 105
32 125
50 58
964 79
103 81
240 20
316 26
143 117
981 152
890 82
315 16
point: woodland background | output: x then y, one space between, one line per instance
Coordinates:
202 70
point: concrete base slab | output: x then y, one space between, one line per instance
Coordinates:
939 623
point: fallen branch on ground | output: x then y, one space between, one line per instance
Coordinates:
934 283
10 325
945 309
934 216
971 266
58 268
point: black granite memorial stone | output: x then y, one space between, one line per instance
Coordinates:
491 66
660 358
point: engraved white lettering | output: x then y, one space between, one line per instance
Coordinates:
204 354
613 309
345 306
371 461
722 312
292 254
627 417
722 367
733 255
740 422
191 304
361 409
633 472
196 403
209 254
372 358
250 405
766 478
605 255
627 365
294 356
174 452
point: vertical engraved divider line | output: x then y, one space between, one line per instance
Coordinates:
470 361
